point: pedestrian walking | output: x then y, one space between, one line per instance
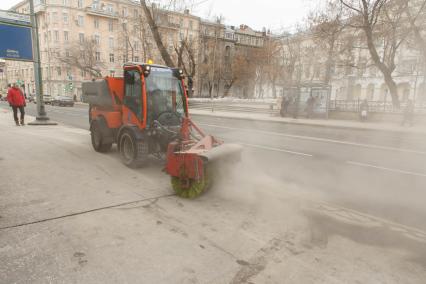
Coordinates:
363 111
310 103
16 100
284 106
408 114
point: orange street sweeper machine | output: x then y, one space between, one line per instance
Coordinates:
146 114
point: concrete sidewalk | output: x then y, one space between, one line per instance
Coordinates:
70 215
345 124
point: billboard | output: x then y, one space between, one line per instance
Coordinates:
15 34
16 42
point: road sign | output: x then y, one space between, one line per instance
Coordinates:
14 18
15 32
16 42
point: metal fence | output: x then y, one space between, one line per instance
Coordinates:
373 106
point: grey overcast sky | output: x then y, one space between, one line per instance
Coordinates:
273 14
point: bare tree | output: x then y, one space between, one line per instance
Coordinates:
327 27
241 72
233 70
186 57
291 57
211 61
85 57
156 34
415 13
271 54
380 20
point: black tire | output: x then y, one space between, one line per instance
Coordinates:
133 152
90 114
97 137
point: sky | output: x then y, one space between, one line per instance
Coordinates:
271 14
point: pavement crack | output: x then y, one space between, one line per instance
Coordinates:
85 212
258 263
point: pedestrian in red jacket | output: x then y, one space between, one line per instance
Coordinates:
16 100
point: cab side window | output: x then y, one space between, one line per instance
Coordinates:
133 92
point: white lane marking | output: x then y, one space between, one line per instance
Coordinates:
386 169
276 149
320 139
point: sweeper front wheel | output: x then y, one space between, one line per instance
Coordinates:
189 188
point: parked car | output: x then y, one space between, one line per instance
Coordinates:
46 98
62 101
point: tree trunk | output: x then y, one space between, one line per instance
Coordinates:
156 34
227 89
274 90
329 63
387 73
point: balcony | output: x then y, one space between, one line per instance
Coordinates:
101 12
40 8
168 25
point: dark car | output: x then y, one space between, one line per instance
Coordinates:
46 98
62 101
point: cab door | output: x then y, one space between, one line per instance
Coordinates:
133 111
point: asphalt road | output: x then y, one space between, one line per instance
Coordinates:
378 173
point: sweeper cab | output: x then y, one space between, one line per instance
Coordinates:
145 113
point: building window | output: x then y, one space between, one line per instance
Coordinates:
111 25
58 70
190 25
80 21
112 73
56 35
124 12
65 17
111 43
55 17
80 3
136 58
81 37
65 2
96 23
111 57
65 35
97 39
97 56
110 9
135 13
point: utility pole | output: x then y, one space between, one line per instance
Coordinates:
42 118
217 31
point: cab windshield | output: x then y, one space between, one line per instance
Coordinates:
164 94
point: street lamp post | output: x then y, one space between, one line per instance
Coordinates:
42 118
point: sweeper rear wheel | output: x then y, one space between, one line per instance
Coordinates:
189 188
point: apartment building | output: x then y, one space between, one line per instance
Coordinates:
219 43
118 30
354 77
